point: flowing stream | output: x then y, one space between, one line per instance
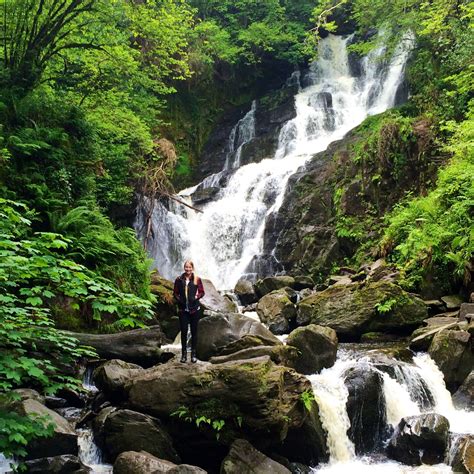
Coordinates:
225 239
408 389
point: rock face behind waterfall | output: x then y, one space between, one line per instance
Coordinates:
336 192
352 310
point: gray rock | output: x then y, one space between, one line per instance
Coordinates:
466 311
277 310
244 458
280 354
222 329
463 399
110 377
422 337
186 469
214 301
269 284
452 352
127 430
317 348
65 464
29 394
303 282
139 346
452 301
63 440
133 462
420 440
245 292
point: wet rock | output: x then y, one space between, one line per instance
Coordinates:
280 354
245 292
214 301
203 195
452 352
63 440
55 402
277 310
452 301
269 284
65 464
463 399
372 337
127 430
110 377
243 457
246 342
317 348
352 310
139 346
462 459
366 409
266 396
420 440
222 329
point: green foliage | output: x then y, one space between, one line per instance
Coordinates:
434 233
307 397
191 416
386 306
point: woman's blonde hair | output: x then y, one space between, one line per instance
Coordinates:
190 262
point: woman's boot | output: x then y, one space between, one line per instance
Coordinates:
193 356
184 355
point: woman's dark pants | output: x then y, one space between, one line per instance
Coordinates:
186 319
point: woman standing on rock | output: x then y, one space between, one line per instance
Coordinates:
188 290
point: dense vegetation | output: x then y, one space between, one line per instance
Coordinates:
96 95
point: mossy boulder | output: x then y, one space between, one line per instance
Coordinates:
277 310
245 292
269 284
256 399
352 310
317 348
165 306
453 354
110 377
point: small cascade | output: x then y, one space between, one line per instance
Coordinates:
242 132
226 240
90 454
401 380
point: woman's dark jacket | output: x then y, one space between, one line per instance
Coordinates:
195 293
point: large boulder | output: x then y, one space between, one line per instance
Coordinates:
464 397
214 301
421 338
245 292
256 398
110 377
64 464
64 438
462 455
222 329
365 408
317 348
452 352
277 310
421 439
127 430
139 346
269 284
243 457
352 310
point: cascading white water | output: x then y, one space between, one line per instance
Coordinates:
401 400
241 133
225 238
90 454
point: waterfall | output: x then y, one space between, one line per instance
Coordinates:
228 235
401 380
